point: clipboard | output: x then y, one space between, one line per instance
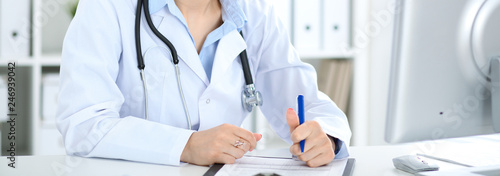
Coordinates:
349 167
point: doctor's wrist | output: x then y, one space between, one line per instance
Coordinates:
185 155
336 144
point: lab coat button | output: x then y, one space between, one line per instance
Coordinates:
208 101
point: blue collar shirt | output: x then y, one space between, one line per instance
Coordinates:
233 18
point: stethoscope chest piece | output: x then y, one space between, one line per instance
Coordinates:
250 97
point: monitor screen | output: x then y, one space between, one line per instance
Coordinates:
443 82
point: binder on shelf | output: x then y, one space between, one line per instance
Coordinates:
50 89
336 25
344 85
335 79
338 84
328 76
306 25
15 28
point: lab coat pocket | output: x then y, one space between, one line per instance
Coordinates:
158 68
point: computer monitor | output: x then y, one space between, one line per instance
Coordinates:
445 72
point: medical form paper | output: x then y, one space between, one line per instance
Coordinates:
250 166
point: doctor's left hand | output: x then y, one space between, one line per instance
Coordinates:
222 144
319 149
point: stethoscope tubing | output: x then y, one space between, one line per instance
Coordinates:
249 90
175 57
140 59
245 65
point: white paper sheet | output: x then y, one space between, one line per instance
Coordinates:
250 166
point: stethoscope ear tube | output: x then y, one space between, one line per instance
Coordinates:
173 51
140 60
175 60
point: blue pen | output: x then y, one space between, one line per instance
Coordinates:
300 102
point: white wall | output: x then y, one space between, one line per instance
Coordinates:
380 57
373 25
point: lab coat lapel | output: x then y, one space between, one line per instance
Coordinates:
182 42
230 46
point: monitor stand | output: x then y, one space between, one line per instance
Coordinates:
495 92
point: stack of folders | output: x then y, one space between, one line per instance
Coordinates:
335 80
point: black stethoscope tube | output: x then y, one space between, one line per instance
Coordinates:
175 57
245 65
140 60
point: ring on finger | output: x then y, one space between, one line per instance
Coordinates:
238 143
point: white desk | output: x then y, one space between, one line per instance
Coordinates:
377 160
369 160
477 151
372 160
59 165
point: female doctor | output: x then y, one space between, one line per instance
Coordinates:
194 116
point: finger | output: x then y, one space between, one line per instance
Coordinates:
292 119
310 154
247 136
225 158
295 149
321 160
245 147
302 132
235 152
257 136
316 141
232 140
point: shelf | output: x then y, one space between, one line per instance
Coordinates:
51 62
325 55
20 62
52 59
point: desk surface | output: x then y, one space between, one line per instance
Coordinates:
370 160
77 166
476 151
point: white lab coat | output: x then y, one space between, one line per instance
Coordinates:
101 100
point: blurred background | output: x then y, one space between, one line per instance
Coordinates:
347 41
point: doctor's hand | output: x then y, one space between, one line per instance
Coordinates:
318 148
222 144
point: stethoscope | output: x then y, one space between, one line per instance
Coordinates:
249 97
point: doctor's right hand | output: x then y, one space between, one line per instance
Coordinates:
222 144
